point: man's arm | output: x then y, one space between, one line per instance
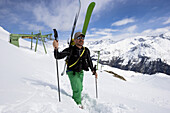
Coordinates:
89 60
91 63
60 55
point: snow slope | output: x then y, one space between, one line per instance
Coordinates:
28 84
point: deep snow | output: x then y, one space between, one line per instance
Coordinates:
28 84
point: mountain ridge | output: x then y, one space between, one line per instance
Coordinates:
144 54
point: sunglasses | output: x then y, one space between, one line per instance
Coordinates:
80 38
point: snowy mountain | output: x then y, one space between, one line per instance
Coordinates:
28 84
4 34
145 54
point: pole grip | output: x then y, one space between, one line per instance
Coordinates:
55 34
94 70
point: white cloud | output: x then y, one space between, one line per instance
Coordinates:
57 14
123 22
11 18
131 28
93 29
157 31
106 31
167 21
147 31
109 30
126 33
61 14
33 27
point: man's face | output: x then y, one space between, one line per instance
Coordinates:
79 41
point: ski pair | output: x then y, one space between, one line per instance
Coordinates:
85 26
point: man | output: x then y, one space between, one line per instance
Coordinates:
78 59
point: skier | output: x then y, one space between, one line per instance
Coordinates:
78 59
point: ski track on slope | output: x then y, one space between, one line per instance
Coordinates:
90 105
41 89
34 104
93 106
11 108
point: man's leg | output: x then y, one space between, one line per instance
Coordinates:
76 84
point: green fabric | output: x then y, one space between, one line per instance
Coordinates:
76 85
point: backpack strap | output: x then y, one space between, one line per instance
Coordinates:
78 58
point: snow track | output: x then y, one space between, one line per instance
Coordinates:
93 106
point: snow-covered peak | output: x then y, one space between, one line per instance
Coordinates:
101 42
4 34
166 35
153 47
2 30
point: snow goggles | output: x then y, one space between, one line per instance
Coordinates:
80 37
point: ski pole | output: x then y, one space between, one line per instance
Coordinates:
56 36
96 88
95 81
63 70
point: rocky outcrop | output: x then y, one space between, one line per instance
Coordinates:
144 65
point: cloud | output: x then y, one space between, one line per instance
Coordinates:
157 31
109 32
167 21
131 28
8 16
33 27
123 22
57 14
61 14
99 32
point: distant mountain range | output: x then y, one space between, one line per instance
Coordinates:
144 54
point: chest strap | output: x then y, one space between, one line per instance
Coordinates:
78 58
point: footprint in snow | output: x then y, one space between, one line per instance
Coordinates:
93 106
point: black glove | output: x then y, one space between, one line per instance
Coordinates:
94 70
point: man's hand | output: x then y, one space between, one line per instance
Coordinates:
55 44
95 73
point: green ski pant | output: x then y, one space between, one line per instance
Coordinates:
76 80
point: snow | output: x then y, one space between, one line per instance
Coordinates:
28 84
167 35
153 47
4 34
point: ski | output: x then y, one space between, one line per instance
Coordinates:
72 32
87 17
75 22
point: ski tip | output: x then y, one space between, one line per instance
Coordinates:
92 3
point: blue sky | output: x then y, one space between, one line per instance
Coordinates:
116 19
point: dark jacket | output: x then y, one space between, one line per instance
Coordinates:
73 53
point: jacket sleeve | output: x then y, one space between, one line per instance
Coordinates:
60 55
89 60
